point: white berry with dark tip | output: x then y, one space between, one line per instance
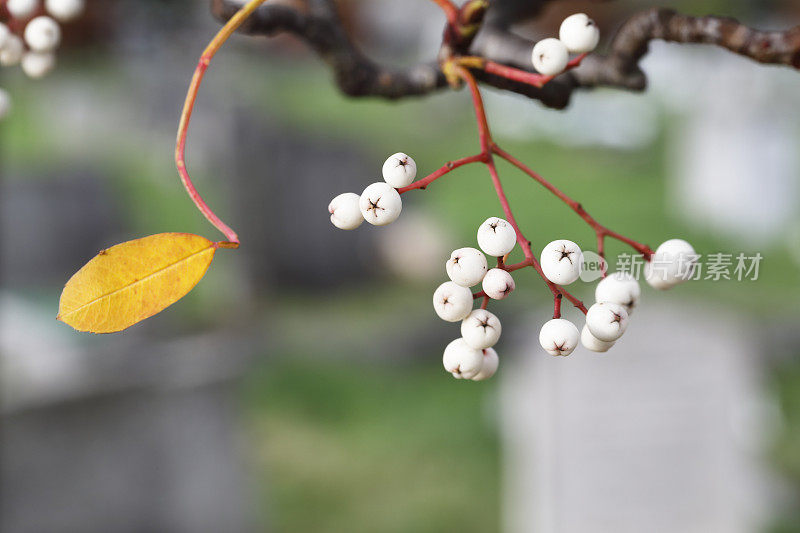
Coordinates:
38 64
579 33
22 9
607 321
489 366
345 211
590 342
497 283
452 302
461 360
672 263
561 261
380 204
65 10
619 288
42 34
399 170
550 57
496 237
467 266
481 329
559 336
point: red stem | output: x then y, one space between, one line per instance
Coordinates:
599 229
486 146
557 306
191 96
523 76
447 167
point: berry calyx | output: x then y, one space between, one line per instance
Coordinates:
559 336
467 266
481 329
399 170
452 302
497 284
607 321
380 204
562 261
496 237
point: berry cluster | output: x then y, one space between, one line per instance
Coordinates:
380 203
560 263
30 34
472 355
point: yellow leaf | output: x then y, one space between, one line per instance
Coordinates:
134 280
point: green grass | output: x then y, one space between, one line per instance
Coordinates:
358 447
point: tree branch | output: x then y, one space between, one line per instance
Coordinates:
317 23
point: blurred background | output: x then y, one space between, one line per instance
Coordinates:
299 387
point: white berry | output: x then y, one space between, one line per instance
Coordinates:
550 57
462 360
607 321
5 35
657 278
672 263
497 283
481 329
561 261
5 103
590 342
42 34
619 288
490 364
558 336
64 10
399 170
11 52
344 210
380 204
579 33
452 302
466 266
22 8
38 64
496 237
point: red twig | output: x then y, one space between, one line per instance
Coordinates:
523 76
447 167
557 306
191 96
598 228
487 147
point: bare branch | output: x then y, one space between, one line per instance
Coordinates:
319 26
317 23
620 68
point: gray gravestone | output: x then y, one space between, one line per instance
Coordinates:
660 434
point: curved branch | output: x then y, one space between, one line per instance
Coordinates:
620 68
317 23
